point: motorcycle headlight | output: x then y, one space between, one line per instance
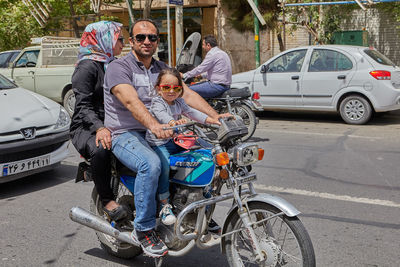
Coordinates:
245 154
63 119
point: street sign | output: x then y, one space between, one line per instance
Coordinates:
176 2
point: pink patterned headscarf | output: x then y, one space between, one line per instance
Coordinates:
98 40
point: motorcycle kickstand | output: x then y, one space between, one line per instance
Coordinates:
158 261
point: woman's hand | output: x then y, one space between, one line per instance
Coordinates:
103 137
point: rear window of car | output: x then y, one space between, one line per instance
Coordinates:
378 57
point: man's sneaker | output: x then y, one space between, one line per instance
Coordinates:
166 215
213 227
151 244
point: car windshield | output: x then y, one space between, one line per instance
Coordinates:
6 83
378 57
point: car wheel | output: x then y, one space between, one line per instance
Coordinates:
355 109
69 102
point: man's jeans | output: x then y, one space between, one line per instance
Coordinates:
132 150
208 89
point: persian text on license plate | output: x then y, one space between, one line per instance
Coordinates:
24 165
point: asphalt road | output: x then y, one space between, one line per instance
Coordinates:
343 178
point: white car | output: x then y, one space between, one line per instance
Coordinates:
352 80
34 132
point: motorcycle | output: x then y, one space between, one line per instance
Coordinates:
259 229
236 101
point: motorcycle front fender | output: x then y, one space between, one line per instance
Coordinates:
274 201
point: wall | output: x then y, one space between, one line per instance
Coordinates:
382 29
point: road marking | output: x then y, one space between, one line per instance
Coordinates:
362 200
323 134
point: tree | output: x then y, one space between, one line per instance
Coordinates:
147 9
241 15
18 25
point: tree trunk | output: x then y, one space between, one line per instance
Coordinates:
73 15
280 41
147 9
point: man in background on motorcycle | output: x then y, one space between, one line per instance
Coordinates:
218 69
128 91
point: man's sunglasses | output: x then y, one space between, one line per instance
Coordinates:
168 87
141 37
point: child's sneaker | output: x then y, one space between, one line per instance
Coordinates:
166 215
151 244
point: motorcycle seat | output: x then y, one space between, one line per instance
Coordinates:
236 92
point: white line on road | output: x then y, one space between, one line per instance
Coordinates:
323 134
362 200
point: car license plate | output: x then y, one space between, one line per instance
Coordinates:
24 165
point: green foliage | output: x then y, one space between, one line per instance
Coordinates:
241 15
323 20
17 25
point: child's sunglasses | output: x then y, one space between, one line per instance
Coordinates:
168 87
141 37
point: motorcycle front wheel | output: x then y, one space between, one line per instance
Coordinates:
283 240
248 117
109 243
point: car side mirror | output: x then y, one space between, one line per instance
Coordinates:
264 68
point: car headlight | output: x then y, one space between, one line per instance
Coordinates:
245 154
63 119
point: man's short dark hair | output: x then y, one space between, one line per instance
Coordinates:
210 39
141 20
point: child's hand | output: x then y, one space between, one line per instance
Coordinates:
172 123
181 121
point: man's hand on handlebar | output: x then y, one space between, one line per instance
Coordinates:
215 119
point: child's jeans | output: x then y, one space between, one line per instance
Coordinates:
163 152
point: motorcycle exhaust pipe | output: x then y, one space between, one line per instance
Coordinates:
97 223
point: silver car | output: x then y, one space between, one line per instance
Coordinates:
352 80
34 132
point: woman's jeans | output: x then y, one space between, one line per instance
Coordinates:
163 152
134 152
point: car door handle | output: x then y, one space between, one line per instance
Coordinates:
31 72
341 77
296 77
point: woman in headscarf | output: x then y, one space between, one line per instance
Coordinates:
100 42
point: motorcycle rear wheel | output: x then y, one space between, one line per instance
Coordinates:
248 117
109 243
283 240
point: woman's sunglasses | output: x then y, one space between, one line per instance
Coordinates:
168 87
141 37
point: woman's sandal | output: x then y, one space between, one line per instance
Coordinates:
116 214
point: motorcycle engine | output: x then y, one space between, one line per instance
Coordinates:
182 197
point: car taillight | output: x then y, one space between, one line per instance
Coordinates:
380 74
256 96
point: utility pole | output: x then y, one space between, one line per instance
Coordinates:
256 36
130 11
178 29
257 18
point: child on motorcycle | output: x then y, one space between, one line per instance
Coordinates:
168 108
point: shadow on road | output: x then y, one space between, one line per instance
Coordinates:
196 257
389 118
38 181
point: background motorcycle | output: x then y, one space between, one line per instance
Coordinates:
234 101
238 101
259 229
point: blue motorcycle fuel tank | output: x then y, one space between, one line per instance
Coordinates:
193 168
